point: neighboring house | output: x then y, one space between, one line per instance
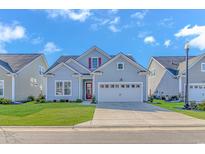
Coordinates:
21 75
167 76
95 73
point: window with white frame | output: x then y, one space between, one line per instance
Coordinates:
202 67
1 88
63 88
94 62
41 70
120 66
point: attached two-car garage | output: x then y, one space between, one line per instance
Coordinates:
197 92
120 92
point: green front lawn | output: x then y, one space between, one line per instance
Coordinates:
45 114
177 107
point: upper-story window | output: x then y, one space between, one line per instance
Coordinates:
153 72
203 67
120 66
94 62
41 70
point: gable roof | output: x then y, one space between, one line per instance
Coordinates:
93 48
64 59
172 63
15 62
133 62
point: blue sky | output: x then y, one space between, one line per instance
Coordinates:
142 33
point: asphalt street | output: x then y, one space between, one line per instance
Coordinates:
102 136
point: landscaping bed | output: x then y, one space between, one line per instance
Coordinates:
178 107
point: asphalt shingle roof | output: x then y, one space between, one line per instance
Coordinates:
63 59
173 63
15 62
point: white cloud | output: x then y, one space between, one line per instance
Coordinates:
149 40
115 21
113 28
198 34
167 43
139 15
37 40
113 11
76 15
50 47
11 32
167 22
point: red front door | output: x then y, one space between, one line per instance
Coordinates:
88 90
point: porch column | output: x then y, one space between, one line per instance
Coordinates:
13 88
79 87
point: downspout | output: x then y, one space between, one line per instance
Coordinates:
13 87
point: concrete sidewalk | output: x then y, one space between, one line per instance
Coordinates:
138 115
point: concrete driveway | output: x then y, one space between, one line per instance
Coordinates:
138 114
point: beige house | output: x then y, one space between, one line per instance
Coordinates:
167 77
21 75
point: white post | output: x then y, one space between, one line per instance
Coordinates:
79 88
13 88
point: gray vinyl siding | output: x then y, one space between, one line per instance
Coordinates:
163 82
195 74
84 59
111 74
63 73
28 81
7 84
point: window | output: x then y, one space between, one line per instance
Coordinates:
1 88
102 86
127 85
120 66
41 70
112 86
117 86
107 86
63 88
122 86
202 67
95 62
133 86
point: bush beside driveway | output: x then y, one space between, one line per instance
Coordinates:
177 107
45 114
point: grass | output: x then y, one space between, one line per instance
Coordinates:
45 114
177 107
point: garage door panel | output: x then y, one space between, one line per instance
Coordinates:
197 92
118 92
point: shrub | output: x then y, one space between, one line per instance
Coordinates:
42 96
78 101
151 98
30 98
42 101
201 106
93 100
193 105
62 100
67 100
5 101
54 100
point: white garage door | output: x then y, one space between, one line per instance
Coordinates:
120 92
197 92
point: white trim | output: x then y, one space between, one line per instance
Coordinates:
93 84
40 56
180 85
70 59
1 96
46 88
163 67
13 88
60 65
142 85
79 87
5 69
92 49
63 87
123 64
202 67
139 67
